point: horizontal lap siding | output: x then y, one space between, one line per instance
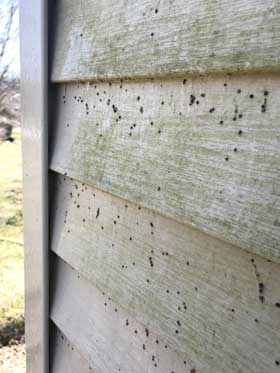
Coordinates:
65 357
165 194
109 39
109 339
204 151
213 305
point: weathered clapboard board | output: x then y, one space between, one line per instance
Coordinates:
151 38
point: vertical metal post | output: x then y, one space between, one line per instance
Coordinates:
34 89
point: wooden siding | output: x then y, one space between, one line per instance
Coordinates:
109 39
204 151
165 186
111 339
188 289
66 358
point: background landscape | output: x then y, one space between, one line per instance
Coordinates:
12 352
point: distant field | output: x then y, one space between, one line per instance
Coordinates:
11 241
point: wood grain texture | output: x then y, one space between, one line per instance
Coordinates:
112 39
212 304
65 357
205 151
110 340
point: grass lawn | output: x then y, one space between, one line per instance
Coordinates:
11 241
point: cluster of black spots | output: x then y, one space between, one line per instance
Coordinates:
192 99
132 128
78 99
235 113
164 253
115 109
193 370
212 110
264 105
151 261
260 284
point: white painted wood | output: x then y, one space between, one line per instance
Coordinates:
158 272
66 358
204 151
110 340
34 68
110 39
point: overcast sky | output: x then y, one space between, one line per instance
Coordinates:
12 53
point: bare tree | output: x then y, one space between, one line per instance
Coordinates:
6 82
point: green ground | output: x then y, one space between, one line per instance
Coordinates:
11 247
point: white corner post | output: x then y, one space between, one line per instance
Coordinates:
34 90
